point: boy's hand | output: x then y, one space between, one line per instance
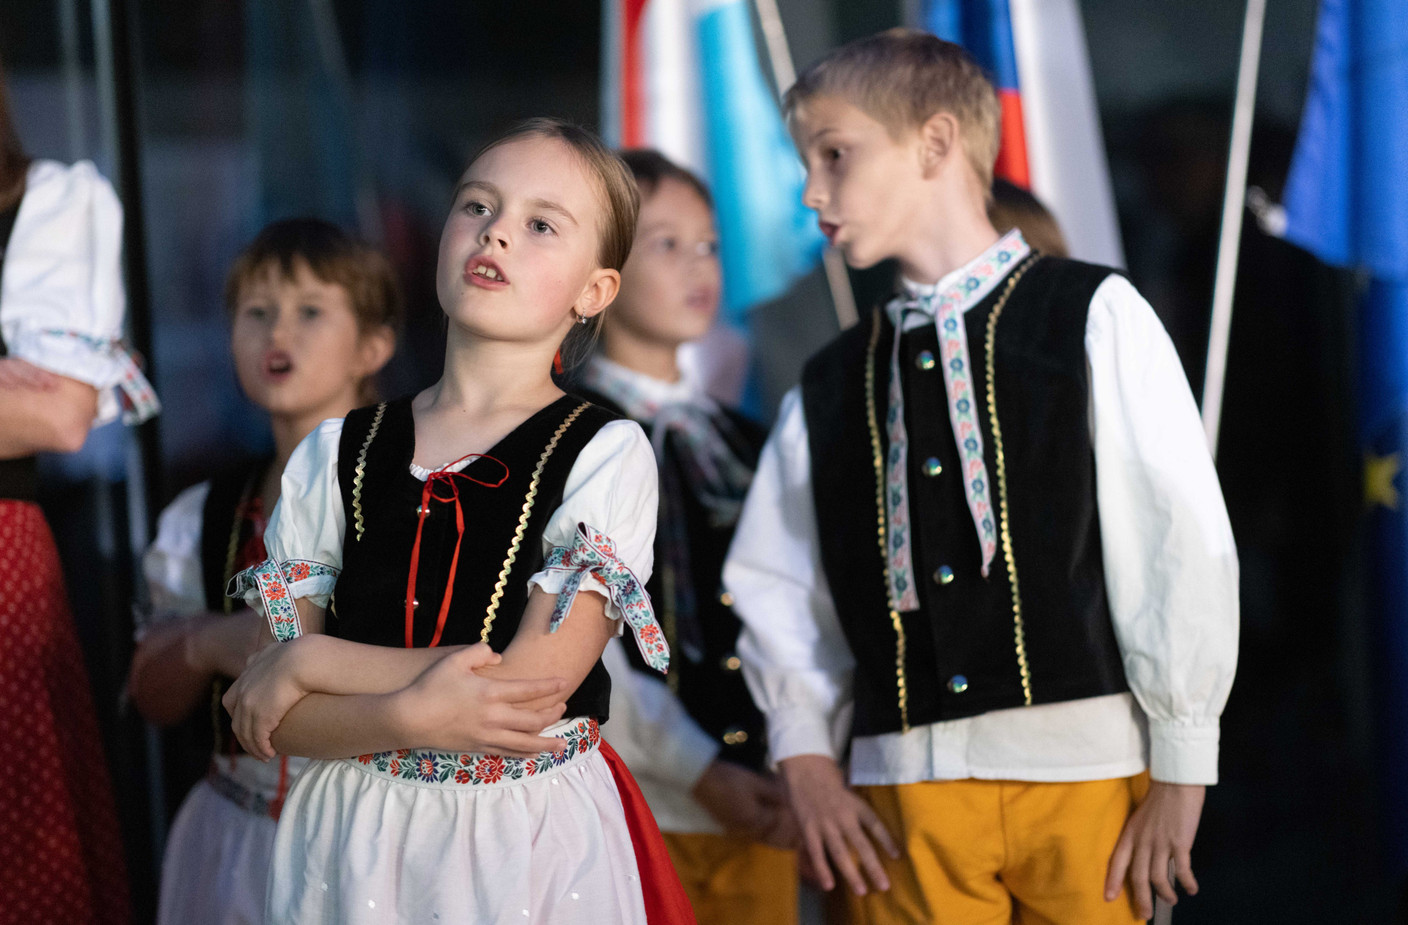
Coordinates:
751 804
219 643
835 823
461 711
264 692
1161 828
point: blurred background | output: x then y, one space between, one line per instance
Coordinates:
213 118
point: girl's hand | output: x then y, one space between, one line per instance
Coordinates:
751 804
461 711
20 374
267 689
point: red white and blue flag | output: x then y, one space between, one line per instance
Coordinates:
1035 52
685 77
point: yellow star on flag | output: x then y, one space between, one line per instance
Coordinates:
1380 473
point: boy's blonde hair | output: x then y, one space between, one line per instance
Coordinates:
902 77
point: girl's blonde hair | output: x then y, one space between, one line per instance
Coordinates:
620 200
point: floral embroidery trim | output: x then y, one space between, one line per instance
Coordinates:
251 801
139 401
272 580
593 553
946 307
477 769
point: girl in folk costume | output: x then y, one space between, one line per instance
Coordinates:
61 308
430 557
313 317
695 740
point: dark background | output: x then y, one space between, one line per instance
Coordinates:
364 112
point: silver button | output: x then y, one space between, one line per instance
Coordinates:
958 684
925 360
932 466
943 576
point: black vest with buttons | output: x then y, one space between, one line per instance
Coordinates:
961 652
368 603
710 686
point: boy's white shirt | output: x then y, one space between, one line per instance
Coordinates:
1170 572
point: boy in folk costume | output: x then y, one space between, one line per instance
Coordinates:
1026 662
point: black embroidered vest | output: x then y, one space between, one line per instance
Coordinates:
708 681
188 745
975 644
380 498
18 477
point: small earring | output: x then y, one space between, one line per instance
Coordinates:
581 319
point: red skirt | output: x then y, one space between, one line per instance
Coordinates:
60 852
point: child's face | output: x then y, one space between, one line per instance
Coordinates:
297 345
519 248
670 285
864 185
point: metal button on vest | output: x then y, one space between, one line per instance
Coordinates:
415 603
735 736
726 599
932 466
958 684
943 575
730 663
925 360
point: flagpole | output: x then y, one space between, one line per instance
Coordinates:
784 75
1233 207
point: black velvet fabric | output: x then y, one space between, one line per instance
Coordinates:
368 604
709 682
964 630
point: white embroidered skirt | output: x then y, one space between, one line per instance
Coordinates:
415 836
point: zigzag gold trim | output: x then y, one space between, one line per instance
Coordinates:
878 458
532 496
361 468
1019 628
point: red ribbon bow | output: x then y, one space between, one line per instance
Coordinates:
446 478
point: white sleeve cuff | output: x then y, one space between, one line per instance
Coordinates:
1183 753
793 732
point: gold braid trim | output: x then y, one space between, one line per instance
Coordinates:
499 585
361 468
1000 460
883 533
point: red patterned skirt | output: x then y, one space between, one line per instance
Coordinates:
60 852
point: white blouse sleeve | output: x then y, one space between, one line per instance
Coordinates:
602 537
304 535
61 295
1170 560
796 660
171 564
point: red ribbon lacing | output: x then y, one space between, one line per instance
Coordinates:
446 478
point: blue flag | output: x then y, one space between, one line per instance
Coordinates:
1347 202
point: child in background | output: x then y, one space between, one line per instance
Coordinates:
1027 661
313 318
695 741
1013 207
418 539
